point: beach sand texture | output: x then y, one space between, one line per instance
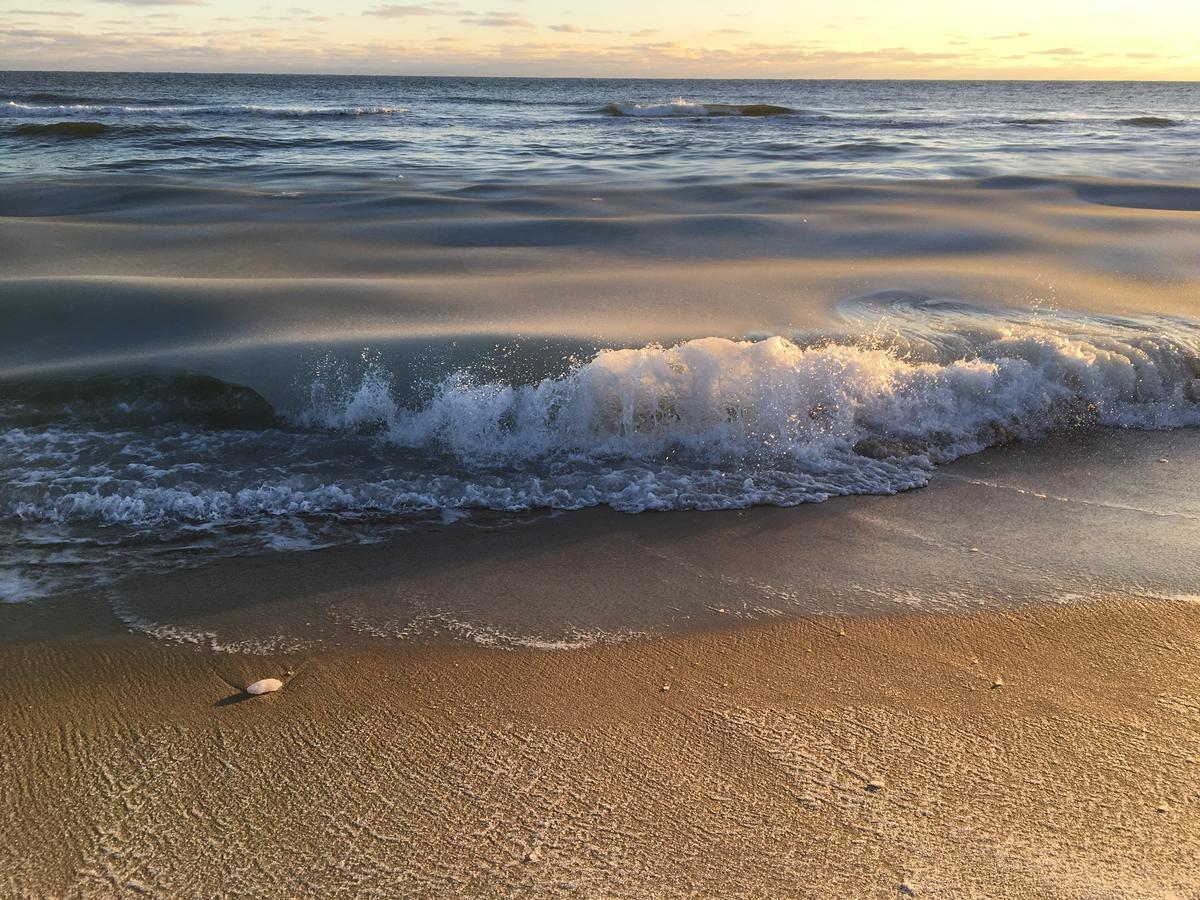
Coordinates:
845 757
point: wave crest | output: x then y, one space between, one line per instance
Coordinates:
681 108
710 423
718 402
13 108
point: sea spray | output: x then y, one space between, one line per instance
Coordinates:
132 468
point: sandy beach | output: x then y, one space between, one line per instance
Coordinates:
1033 753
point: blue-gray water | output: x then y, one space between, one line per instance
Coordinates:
432 129
188 371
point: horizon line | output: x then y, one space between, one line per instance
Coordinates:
1080 80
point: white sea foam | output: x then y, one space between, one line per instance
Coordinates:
681 108
13 108
677 107
717 400
706 424
17 588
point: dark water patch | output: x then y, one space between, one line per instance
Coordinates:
484 100
86 99
752 109
252 142
90 129
62 130
866 148
681 109
1149 122
124 401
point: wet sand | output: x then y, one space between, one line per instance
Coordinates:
852 756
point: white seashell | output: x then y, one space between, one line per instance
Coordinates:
264 686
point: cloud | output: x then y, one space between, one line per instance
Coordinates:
395 11
499 20
1012 37
157 2
45 12
1059 51
579 29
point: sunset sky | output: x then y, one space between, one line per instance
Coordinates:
751 38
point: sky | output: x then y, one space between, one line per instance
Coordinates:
1151 39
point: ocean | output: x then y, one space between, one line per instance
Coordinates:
249 314
455 130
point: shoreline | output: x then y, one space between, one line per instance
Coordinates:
1013 525
798 758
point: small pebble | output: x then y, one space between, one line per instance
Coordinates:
875 784
264 686
998 683
974 549
534 855
1162 808
665 688
1164 459
841 632
907 889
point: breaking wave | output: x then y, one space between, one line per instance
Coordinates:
710 423
13 108
103 465
681 108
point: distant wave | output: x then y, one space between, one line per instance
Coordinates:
63 130
87 128
1034 121
13 108
1149 122
681 108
